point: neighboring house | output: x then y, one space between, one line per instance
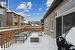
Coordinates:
59 18
2 16
21 20
42 24
35 23
14 19
3 5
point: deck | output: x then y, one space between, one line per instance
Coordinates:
45 43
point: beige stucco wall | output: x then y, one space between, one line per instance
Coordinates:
9 19
21 21
15 19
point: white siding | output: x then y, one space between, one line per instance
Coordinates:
2 11
69 5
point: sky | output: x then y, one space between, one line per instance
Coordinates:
33 10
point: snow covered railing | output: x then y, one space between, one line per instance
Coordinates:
9 29
1 28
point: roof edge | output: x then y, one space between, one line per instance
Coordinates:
52 7
2 7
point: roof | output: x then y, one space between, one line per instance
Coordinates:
2 7
52 7
17 13
10 11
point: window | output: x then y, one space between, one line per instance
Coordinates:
21 23
15 15
68 22
16 23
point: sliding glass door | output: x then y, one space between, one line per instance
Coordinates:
64 24
58 26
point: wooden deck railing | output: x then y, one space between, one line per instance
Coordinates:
7 36
33 29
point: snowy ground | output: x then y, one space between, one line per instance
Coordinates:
46 43
0 47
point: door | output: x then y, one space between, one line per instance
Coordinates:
58 26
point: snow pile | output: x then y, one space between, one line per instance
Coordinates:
0 47
70 37
34 34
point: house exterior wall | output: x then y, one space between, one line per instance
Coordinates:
66 7
21 20
15 19
9 19
12 19
2 17
45 25
49 25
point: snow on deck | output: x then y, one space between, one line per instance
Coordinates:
0 47
70 36
46 43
